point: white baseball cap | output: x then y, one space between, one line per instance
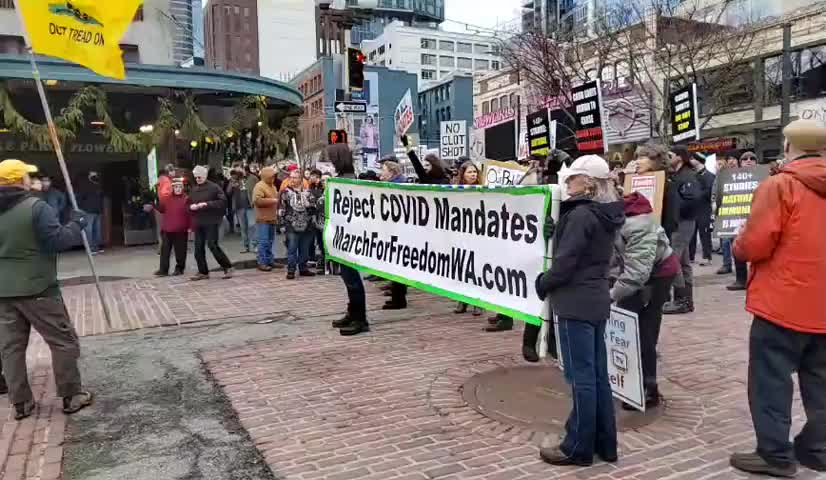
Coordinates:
592 166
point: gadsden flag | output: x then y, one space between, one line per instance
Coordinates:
86 32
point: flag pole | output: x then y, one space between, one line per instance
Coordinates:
61 161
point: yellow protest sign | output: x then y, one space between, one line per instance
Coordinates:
86 32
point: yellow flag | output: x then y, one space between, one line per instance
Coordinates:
86 32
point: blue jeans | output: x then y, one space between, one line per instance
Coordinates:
93 231
265 232
725 245
591 427
298 250
355 291
246 219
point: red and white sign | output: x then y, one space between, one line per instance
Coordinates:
404 114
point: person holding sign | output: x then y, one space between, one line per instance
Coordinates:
577 285
783 239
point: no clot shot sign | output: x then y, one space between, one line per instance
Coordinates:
453 139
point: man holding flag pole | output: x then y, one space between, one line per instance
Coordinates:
86 32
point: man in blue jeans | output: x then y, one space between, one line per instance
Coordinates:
265 199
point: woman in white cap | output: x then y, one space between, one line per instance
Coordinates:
578 287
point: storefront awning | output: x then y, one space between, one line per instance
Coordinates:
221 83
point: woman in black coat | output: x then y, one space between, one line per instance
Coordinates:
578 287
431 172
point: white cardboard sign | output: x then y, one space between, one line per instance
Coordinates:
453 139
404 114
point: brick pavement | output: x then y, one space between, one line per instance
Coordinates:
388 405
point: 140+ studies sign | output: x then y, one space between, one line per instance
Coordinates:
484 247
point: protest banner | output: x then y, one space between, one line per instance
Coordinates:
651 186
453 139
684 115
737 186
445 240
540 136
622 345
590 134
404 114
502 173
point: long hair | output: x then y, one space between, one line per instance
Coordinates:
437 167
601 190
460 178
657 153
341 157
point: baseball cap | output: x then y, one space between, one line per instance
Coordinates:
592 166
12 171
807 135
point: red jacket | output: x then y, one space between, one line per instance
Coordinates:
177 217
785 241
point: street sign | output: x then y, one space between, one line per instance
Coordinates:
351 107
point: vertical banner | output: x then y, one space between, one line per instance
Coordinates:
453 139
651 186
539 133
590 135
622 345
152 167
404 114
445 240
685 125
734 205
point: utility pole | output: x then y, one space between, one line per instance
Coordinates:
785 102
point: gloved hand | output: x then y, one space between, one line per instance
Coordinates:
405 141
540 289
550 228
79 217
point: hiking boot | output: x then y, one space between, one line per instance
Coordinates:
677 307
736 287
391 305
812 461
228 273
200 276
502 325
529 354
725 270
77 402
355 327
290 275
160 273
460 309
306 273
556 457
23 410
264 268
754 463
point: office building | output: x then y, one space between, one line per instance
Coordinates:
186 19
444 100
432 54
380 13
273 39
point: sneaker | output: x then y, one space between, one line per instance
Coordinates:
77 402
736 287
754 463
246 250
556 457
264 268
306 273
160 273
228 273
23 410
724 270
199 277
705 262
677 308
290 275
529 354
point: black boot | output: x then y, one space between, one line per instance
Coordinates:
503 324
358 324
529 339
741 270
344 321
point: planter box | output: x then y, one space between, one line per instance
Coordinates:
139 237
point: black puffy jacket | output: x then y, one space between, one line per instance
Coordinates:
577 281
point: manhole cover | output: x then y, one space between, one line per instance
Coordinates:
536 398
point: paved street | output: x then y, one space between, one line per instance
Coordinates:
314 405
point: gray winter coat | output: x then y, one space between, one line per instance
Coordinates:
640 246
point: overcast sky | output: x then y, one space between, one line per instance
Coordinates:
485 13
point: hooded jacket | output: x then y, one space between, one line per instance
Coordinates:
577 281
784 242
641 247
266 211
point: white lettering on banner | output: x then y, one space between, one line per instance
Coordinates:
622 345
454 139
444 240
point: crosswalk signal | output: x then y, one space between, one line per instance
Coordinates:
337 136
355 68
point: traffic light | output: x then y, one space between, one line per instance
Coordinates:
355 68
337 136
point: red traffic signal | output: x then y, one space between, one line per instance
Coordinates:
355 68
337 136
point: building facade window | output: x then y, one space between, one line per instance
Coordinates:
428 74
462 47
446 61
481 49
444 73
494 105
428 44
494 65
485 108
465 63
504 102
482 64
446 45
428 59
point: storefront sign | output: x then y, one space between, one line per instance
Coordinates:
734 206
502 173
404 114
588 113
713 146
685 124
494 118
540 136
444 240
453 139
